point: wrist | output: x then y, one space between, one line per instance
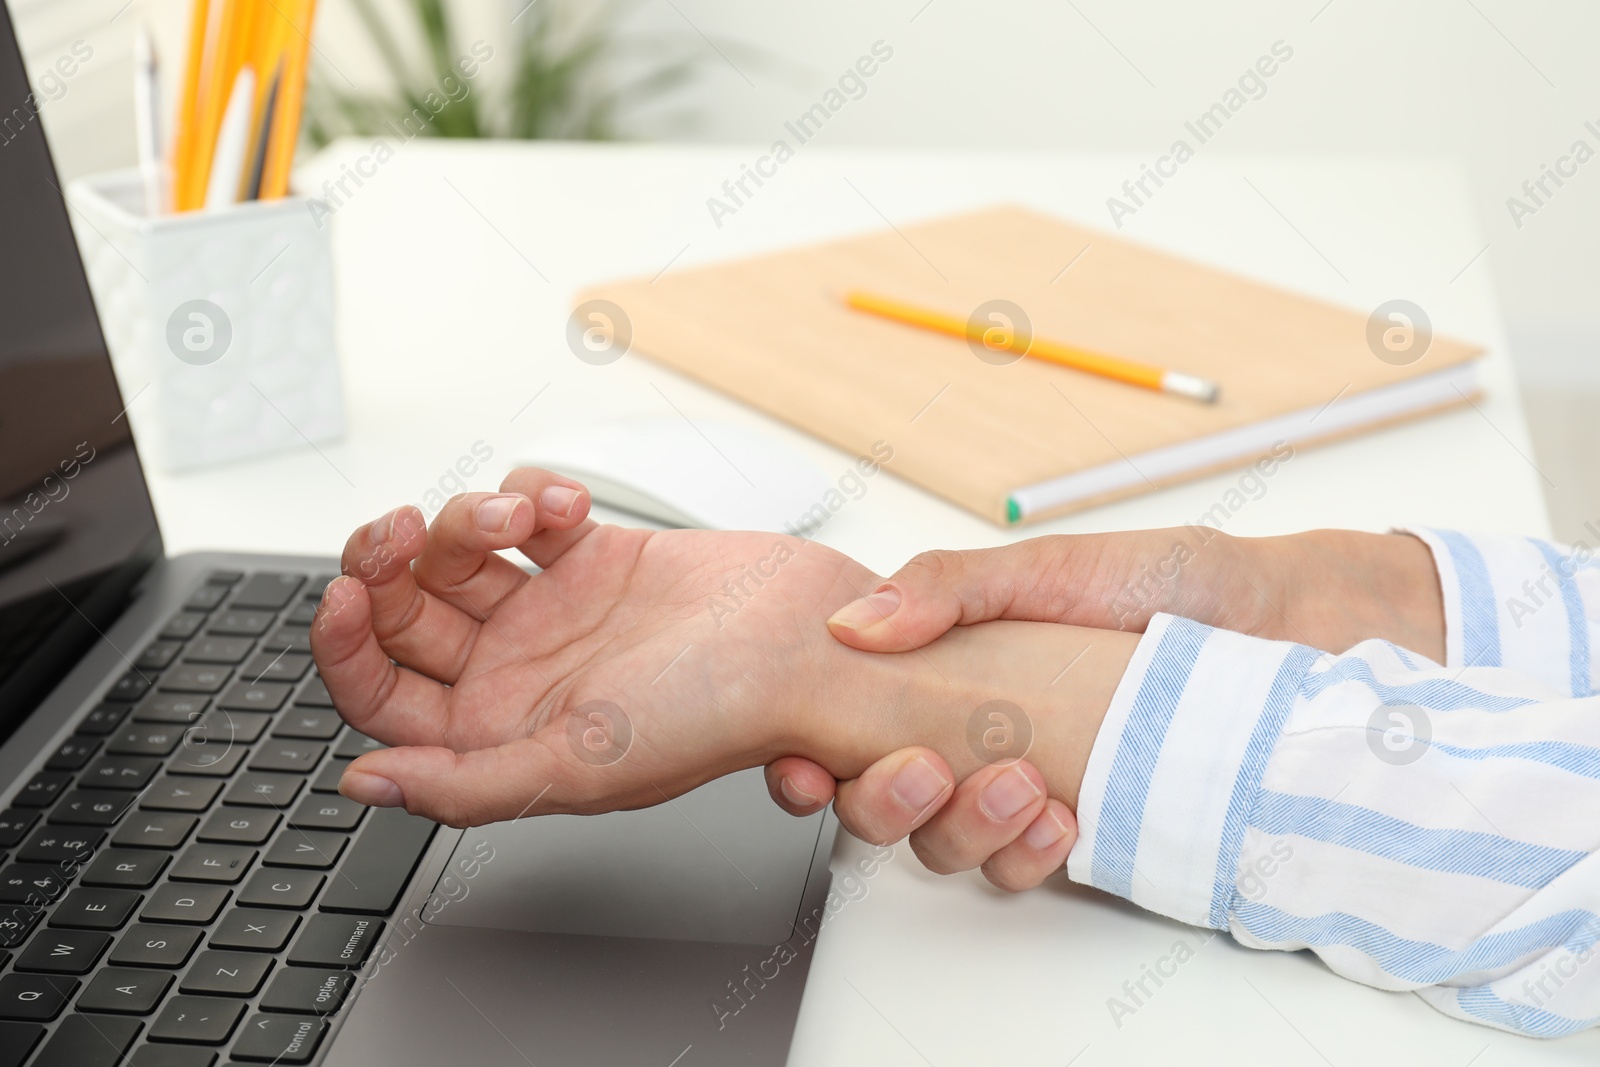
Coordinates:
980 694
1347 587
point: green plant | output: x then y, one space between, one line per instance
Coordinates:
573 75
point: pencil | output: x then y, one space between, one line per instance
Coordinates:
185 134
1144 375
285 132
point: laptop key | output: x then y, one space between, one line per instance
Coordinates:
306 848
181 902
35 997
16 1041
281 887
303 613
14 824
129 687
30 883
279 1039
276 667
314 724
63 951
170 707
15 922
183 626
91 807
230 727
197 1020
222 973
240 623
154 829
227 650
336 941
327 813
147 945
261 789
352 744
206 598
88 1041
120 772
126 868
269 589
125 991
73 754
180 794
380 863
195 678
226 576
315 694
254 696
146 740
242 826
327 779
223 864
42 789
172 1056
211 761
289 639
158 655
307 990
102 720
95 909
255 929
62 847
298 757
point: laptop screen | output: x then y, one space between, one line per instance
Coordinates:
76 525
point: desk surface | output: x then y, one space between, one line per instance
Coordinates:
455 269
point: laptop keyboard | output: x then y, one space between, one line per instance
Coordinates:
183 883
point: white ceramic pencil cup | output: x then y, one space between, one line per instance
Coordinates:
220 324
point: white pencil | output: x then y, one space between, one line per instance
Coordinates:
233 143
146 119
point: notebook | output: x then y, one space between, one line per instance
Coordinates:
1023 440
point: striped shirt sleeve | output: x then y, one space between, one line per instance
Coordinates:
1419 827
1520 603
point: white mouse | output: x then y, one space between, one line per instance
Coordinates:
706 474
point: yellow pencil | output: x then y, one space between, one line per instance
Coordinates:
297 17
1143 375
185 122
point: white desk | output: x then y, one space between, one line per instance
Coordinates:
456 264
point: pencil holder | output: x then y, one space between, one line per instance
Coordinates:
220 324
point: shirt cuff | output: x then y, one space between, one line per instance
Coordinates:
1518 603
1176 767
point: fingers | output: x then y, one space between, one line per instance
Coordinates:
938 590
895 795
384 701
459 789
1039 852
563 512
419 630
459 564
799 786
988 811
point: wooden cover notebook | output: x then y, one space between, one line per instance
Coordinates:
1029 439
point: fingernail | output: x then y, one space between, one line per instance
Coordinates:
382 529
558 500
1045 831
1008 794
859 614
797 796
373 790
494 514
918 784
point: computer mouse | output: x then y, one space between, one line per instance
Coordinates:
702 474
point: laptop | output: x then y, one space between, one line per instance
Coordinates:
180 882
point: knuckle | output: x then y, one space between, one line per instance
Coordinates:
933 565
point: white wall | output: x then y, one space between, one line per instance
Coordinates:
1503 86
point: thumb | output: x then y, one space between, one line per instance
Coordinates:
460 789
938 590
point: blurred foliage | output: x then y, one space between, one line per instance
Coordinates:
565 56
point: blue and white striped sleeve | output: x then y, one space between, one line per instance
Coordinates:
1419 827
1520 603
